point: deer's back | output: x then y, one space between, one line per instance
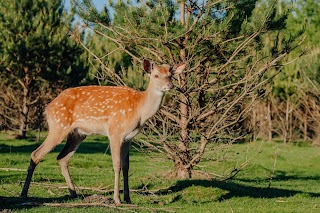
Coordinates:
94 107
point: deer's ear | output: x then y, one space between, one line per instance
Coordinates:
177 69
147 66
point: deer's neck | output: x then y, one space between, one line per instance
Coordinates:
151 103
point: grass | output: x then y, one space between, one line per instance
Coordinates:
281 178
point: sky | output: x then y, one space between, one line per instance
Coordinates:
97 3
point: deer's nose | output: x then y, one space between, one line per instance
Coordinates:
170 85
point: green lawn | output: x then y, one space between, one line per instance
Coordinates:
281 178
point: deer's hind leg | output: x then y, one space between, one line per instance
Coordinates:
125 169
55 137
73 141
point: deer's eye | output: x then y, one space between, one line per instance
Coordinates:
156 76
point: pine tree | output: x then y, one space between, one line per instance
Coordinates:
36 52
221 43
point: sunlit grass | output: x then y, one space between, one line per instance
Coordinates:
280 178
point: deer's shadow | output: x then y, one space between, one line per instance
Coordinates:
31 202
232 188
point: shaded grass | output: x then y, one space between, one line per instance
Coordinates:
282 178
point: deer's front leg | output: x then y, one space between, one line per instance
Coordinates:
115 145
125 169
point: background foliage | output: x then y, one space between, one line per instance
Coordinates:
38 59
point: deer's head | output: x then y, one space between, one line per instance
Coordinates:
160 76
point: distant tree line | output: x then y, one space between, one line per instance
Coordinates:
290 110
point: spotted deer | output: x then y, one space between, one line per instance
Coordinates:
117 112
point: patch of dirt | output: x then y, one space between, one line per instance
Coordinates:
202 175
195 174
98 199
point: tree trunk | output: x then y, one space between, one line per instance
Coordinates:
182 13
183 173
24 114
181 170
269 121
286 131
254 122
25 105
316 140
305 127
290 125
183 145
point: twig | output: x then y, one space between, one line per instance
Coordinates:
276 154
121 207
235 171
13 169
13 193
103 189
71 205
96 189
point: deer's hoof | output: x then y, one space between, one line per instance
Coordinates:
73 194
128 200
117 202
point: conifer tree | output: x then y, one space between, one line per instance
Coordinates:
221 43
36 52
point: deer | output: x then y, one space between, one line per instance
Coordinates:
118 112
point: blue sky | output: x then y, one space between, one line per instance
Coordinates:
97 3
